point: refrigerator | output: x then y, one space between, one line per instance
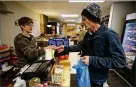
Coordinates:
129 44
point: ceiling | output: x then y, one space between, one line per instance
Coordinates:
54 8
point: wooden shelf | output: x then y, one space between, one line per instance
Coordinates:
1 60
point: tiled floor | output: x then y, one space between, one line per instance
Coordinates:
113 81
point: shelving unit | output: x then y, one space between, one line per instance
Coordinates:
129 45
5 59
4 53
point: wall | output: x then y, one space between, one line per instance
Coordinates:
106 11
118 14
70 30
8 30
43 23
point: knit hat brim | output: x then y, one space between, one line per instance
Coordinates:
87 14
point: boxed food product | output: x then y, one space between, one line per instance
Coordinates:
52 84
57 73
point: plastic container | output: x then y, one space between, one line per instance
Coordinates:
34 81
19 82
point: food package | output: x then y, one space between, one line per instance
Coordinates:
49 54
57 73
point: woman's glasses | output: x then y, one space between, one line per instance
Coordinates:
29 24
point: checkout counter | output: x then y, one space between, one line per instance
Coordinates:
46 71
41 72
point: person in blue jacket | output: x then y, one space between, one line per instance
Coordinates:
101 47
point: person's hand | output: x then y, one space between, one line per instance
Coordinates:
85 60
60 49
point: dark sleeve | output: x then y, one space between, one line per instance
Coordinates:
73 48
117 58
76 48
28 50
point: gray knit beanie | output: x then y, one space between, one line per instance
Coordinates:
93 12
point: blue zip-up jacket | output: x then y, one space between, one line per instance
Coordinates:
105 51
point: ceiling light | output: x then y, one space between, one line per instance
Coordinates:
70 20
48 25
86 0
65 15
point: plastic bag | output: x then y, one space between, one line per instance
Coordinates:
82 74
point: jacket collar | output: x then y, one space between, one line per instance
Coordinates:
26 34
101 29
98 33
